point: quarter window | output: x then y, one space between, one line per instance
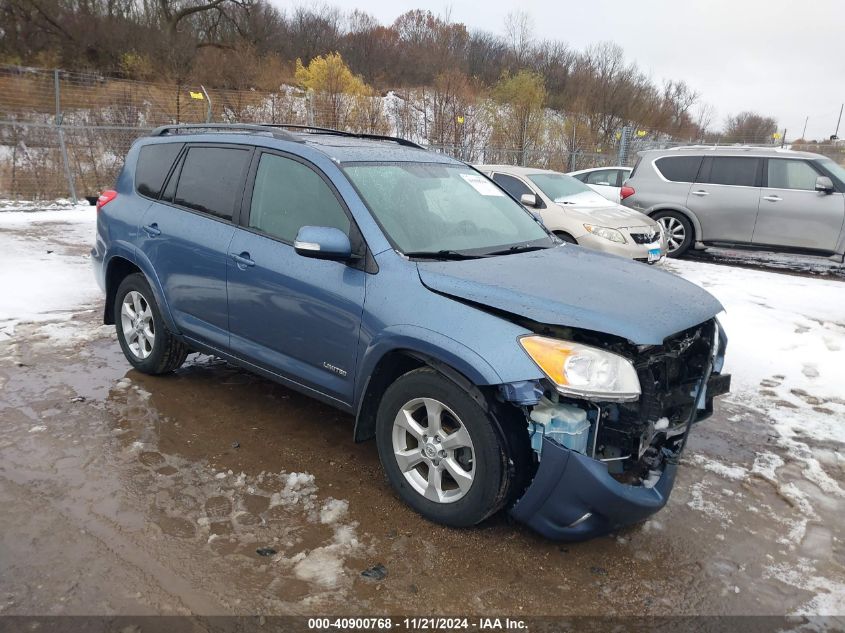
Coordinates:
289 195
731 170
154 163
512 185
211 179
791 174
678 168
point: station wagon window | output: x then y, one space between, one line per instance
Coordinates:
210 180
512 185
739 171
289 195
154 163
791 174
678 168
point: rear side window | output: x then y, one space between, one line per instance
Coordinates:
678 168
512 185
602 177
730 170
154 163
289 195
211 179
791 174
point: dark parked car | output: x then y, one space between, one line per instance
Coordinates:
495 366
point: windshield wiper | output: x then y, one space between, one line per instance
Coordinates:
517 248
442 254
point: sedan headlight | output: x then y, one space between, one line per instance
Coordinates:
607 233
583 371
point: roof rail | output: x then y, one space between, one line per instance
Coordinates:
736 147
326 130
232 128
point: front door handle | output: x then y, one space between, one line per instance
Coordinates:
772 198
152 230
700 192
243 260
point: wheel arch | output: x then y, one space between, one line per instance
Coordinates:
120 266
383 365
696 225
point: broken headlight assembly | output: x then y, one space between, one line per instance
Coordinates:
583 371
607 233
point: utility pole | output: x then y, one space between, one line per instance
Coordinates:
836 133
804 133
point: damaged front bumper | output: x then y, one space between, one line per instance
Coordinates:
573 497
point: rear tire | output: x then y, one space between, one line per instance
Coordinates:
440 450
145 340
678 231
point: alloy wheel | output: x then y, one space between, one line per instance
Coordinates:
674 230
136 319
433 450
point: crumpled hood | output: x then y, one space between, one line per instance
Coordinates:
575 287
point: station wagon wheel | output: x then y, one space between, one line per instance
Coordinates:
678 231
146 342
433 450
441 451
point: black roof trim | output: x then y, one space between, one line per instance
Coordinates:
231 128
313 129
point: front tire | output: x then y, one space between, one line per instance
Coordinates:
440 451
678 231
145 340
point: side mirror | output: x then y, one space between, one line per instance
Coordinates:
323 242
528 199
824 184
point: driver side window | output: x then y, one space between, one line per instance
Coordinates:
289 195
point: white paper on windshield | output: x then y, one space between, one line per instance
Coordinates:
482 185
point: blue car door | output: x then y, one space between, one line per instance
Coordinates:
295 316
186 234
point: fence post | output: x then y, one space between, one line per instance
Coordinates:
624 145
61 133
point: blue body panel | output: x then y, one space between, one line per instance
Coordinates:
580 288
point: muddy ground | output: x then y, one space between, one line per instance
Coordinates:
123 493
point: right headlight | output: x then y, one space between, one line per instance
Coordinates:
583 371
606 232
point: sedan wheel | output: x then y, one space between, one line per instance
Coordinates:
136 319
433 450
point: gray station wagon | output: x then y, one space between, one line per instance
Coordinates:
763 198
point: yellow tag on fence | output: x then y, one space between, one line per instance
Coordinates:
196 95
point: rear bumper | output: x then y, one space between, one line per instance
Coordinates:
569 486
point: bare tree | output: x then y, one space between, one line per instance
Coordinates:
519 29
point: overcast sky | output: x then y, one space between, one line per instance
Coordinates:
783 58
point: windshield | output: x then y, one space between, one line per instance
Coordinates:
559 186
433 208
834 168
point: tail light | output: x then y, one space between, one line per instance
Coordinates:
626 191
105 197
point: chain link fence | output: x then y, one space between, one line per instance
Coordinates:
64 134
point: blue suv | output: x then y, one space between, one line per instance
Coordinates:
495 366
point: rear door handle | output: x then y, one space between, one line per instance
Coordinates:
700 192
243 260
152 230
772 198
